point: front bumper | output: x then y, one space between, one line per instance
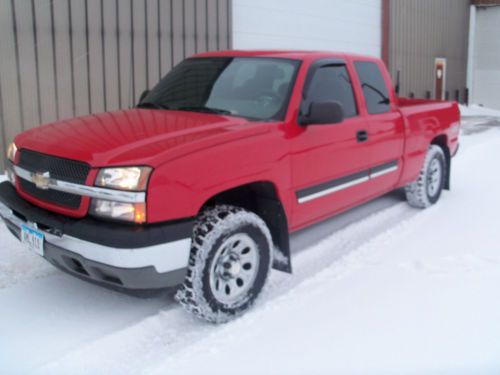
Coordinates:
117 255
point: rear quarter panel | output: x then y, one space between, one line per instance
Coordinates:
425 120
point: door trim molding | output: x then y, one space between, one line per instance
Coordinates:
342 183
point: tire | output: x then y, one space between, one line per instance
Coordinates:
427 188
228 266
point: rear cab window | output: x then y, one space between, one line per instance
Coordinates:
374 87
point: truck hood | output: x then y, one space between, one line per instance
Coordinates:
135 136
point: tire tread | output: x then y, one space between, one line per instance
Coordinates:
416 192
190 295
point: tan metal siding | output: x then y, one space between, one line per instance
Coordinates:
12 113
47 66
420 31
212 30
485 2
110 46
65 58
80 82
25 42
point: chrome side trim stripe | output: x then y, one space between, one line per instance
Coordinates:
383 171
84 190
334 189
342 183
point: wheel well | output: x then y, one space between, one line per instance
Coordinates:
442 142
262 199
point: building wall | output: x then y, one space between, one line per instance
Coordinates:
331 25
65 58
485 3
422 30
486 58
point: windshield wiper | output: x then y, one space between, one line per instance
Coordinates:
217 111
152 105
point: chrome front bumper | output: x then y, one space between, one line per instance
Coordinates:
168 256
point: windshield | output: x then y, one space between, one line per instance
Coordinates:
255 88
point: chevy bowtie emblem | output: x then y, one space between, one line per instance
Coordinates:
41 179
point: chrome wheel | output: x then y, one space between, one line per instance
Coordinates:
234 269
434 177
426 189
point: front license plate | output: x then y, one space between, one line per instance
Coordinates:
33 239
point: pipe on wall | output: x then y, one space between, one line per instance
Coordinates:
470 53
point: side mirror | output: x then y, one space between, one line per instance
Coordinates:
321 113
143 95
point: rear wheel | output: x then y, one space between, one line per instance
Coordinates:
229 264
427 188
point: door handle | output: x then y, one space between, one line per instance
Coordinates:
362 136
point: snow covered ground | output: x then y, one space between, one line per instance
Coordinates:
383 288
476 110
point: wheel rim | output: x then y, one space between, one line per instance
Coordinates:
234 269
434 176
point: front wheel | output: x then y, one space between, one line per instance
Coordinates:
228 266
427 188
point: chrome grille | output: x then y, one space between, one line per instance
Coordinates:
60 169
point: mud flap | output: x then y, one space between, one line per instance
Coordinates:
281 262
273 214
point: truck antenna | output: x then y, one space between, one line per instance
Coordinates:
397 83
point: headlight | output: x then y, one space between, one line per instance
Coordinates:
11 152
133 212
11 156
126 178
131 178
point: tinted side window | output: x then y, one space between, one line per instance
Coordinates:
333 83
374 87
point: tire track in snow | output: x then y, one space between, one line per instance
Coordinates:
158 337
17 264
10 278
58 314
350 262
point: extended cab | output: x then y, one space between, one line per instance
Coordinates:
199 185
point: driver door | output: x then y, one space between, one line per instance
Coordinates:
330 162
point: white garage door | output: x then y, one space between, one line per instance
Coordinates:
331 25
486 71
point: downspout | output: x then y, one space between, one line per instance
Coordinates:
470 54
385 31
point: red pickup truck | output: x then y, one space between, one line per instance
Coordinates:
199 185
